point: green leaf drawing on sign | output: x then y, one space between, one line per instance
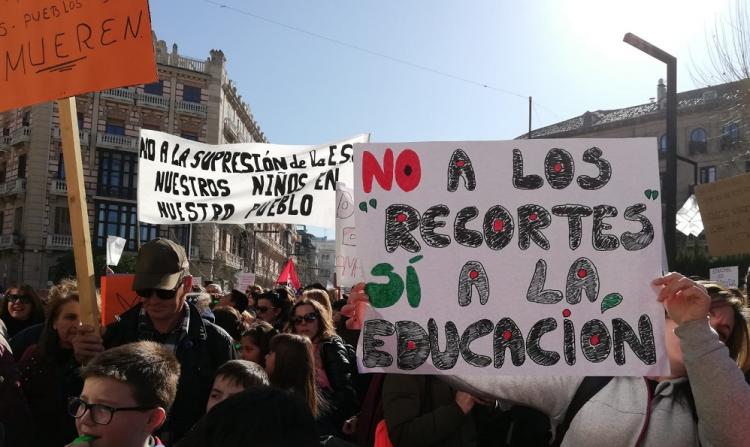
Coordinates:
610 301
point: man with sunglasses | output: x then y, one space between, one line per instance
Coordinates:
162 280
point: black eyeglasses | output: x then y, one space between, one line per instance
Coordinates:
25 299
160 293
312 316
101 414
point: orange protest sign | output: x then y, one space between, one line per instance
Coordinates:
117 296
58 48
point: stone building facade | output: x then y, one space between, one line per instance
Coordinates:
713 133
194 99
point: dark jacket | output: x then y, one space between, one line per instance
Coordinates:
15 417
342 398
48 381
15 326
422 411
25 338
201 352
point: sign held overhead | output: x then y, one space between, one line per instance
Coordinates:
51 50
510 257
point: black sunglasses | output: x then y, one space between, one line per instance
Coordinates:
262 309
25 299
160 293
312 316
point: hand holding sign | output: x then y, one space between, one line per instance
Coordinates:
356 307
684 299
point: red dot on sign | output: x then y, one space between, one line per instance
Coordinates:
557 167
594 340
582 273
473 274
507 335
566 313
533 217
410 345
460 163
498 225
401 217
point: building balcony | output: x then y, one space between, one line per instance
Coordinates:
58 187
20 135
275 247
192 108
124 95
5 142
17 186
231 129
59 241
6 241
155 101
187 63
83 135
231 260
121 142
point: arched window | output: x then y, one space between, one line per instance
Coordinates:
698 141
730 134
663 143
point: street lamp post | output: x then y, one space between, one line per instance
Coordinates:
669 194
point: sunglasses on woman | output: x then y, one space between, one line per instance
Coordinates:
312 316
24 299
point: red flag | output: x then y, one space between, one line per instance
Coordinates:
289 275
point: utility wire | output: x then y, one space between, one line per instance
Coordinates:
368 51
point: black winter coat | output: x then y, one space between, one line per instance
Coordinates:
201 352
343 398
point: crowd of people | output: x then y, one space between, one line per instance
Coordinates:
194 365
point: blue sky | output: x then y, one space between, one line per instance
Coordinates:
568 55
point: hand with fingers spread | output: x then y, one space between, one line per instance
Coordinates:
684 299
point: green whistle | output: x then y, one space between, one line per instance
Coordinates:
84 438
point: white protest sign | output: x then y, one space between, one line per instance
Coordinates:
115 246
184 181
726 276
244 280
529 257
197 281
348 267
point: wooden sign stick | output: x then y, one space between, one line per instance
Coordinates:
79 216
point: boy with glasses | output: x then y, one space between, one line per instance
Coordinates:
126 395
162 280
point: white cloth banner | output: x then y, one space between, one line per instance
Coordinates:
530 257
348 267
115 246
183 181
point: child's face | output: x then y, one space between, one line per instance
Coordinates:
250 351
224 387
127 428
